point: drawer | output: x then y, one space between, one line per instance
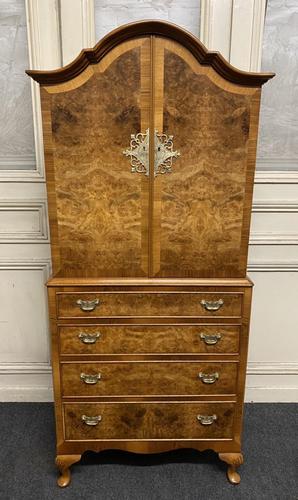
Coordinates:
101 304
146 339
91 421
151 378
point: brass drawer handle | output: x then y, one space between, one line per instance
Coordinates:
90 379
87 305
208 378
210 339
89 338
212 305
91 420
206 419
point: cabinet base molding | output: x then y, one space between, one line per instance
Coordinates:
234 460
64 462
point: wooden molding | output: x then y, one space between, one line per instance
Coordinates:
147 28
64 281
253 368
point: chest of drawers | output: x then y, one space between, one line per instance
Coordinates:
142 364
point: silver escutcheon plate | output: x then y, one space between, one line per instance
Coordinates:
139 153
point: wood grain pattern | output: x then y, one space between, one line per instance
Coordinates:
148 378
145 106
149 304
67 283
148 421
156 125
203 199
101 218
145 339
150 445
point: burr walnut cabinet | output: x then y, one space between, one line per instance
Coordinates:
150 145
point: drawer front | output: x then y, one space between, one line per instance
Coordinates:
148 378
83 305
92 421
145 339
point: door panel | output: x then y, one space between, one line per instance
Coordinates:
201 212
102 207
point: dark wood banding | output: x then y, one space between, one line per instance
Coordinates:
147 28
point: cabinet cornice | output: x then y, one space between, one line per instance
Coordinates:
152 28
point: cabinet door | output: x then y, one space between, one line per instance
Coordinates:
201 210
98 207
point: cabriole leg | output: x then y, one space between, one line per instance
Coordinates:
233 460
63 463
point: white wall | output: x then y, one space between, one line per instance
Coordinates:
112 13
278 140
16 121
274 340
55 35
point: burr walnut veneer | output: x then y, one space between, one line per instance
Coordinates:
150 145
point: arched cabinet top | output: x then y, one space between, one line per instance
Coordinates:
150 28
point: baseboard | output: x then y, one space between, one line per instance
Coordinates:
39 394
257 394
271 395
266 382
27 382
272 368
31 394
274 382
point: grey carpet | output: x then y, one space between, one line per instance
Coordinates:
270 471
